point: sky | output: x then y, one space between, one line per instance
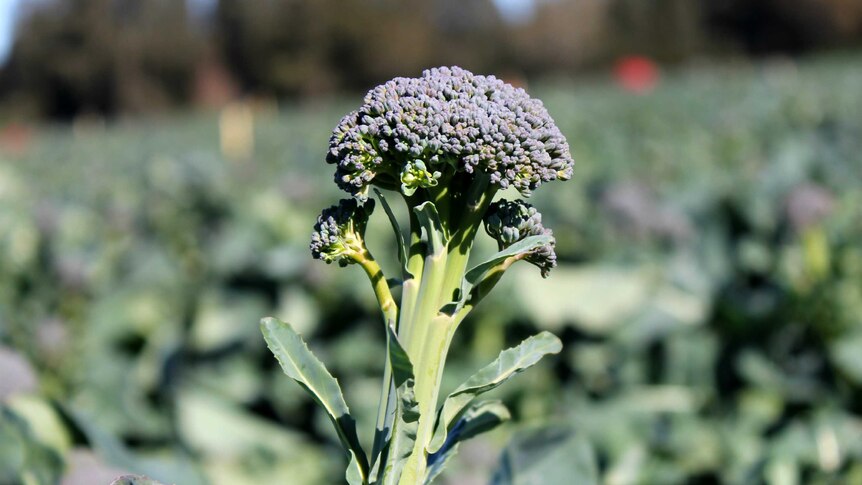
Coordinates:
512 10
7 26
515 10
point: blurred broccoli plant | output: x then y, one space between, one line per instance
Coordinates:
446 142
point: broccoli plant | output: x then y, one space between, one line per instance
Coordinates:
446 143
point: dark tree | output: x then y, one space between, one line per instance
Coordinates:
101 57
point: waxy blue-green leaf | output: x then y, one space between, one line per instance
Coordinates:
477 419
509 363
24 458
406 423
354 474
175 466
302 366
436 467
399 236
552 454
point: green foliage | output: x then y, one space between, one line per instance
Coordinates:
23 458
510 362
547 455
478 418
406 422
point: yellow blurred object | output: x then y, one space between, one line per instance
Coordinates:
236 131
43 421
816 254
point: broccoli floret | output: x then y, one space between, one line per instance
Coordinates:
511 221
411 132
339 232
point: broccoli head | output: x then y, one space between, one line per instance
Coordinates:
413 133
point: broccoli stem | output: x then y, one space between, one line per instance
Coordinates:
433 340
390 315
415 266
409 294
425 340
478 199
426 332
381 287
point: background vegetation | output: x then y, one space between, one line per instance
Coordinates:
111 58
709 293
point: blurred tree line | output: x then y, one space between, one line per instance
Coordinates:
108 57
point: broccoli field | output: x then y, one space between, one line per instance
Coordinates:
708 295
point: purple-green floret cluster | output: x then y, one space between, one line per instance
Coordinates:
511 221
411 131
339 231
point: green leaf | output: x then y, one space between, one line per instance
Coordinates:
477 273
402 245
406 423
383 435
174 466
551 454
302 366
846 356
481 271
43 419
477 419
578 295
23 458
135 480
436 467
354 475
509 363
432 229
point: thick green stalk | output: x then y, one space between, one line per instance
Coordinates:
437 267
403 327
477 201
428 298
427 341
432 345
431 331
415 266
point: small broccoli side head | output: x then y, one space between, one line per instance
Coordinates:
339 232
446 143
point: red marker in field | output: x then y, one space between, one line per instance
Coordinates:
636 74
15 138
